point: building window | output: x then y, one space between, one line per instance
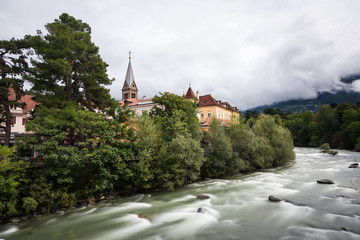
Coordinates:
209 114
133 95
13 120
126 95
202 115
24 120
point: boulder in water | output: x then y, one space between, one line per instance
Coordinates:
354 165
325 181
145 216
274 199
202 196
201 210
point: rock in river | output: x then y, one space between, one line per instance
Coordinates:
274 199
145 216
325 181
354 165
201 210
202 196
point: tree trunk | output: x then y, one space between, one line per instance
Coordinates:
7 126
68 88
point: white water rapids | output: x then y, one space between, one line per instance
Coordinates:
238 208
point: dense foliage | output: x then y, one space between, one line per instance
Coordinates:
238 147
68 66
337 124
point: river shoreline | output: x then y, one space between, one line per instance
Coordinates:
238 206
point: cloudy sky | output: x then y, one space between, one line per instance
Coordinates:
246 52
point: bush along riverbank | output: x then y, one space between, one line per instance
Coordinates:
85 156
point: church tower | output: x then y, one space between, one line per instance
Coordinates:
129 89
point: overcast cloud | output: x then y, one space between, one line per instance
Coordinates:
246 52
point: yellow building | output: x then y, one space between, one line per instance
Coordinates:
210 107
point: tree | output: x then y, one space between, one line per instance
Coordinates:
253 150
10 172
350 135
179 162
174 154
69 67
327 124
149 141
278 137
83 152
220 160
12 68
176 115
251 114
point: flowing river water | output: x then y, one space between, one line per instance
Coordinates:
238 208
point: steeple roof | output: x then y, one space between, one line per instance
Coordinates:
189 93
129 78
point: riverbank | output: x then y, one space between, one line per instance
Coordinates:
237 207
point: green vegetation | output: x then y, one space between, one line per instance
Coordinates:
89 148
337 125
326 149
68 66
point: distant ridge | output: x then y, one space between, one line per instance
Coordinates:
350 78
324 98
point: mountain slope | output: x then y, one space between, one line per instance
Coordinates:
324 98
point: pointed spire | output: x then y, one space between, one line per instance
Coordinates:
190 93
129 89
129 78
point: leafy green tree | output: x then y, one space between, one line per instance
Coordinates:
350 135
176 115
254 151
69 67
299 125
350 115
149 141
250 114
327 124
10 174
278 137
13 66
220 160
340 110
82 151
179 162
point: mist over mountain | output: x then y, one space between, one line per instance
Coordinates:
350 78
324 98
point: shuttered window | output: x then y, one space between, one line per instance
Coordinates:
13 120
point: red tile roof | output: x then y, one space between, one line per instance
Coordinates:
133 101
208 100
189 93
28 103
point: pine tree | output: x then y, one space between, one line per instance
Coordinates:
69 67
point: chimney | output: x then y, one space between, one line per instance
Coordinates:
197 95
144 97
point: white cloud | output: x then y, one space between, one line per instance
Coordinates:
245 52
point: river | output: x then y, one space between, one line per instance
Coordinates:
238 208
